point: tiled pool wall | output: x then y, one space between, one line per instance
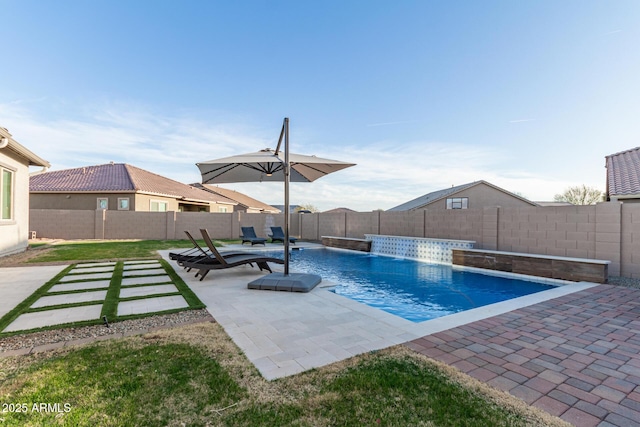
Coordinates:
420 248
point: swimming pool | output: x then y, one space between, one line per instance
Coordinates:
416 291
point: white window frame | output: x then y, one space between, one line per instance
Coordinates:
159 202
99 205
457 203
123 199
223 209
12 194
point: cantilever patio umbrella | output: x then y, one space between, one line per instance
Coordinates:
269 166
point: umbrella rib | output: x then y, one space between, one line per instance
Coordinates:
224 169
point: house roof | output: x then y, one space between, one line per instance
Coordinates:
554 204
22 151
239 198
623 173
117 178
429 198
339 210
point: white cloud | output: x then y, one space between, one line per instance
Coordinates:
388 173
169 146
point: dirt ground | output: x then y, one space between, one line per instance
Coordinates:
19 259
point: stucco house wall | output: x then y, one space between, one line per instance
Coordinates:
78 201
14 232
481 196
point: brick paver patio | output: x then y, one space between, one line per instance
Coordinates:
576 357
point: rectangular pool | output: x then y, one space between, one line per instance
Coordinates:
414 290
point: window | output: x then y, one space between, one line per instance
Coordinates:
457 203
6 193
222 209
123 204
157 206
103 203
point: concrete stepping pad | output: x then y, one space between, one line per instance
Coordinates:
145 280
54 317
139 291
95 284
151 305
96 264
70 298
90 276
136 267
148 272
104 269
148 261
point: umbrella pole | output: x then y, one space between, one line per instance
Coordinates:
286 196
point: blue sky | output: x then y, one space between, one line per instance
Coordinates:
422 95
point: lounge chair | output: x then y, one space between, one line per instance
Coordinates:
217 262
197 252
278 236
249 235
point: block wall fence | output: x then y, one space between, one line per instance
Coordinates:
608 231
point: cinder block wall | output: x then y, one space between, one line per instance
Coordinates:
134 225
562 231
62 224
630 240
609 231
219 225
360 223
332 224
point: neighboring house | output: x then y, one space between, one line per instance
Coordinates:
623 176
339 210
478 194
292 208
14 193
553 204
245 203
119 186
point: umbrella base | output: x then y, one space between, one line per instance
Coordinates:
293 282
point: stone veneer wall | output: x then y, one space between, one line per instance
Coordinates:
433 250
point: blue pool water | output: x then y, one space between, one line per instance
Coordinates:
414 290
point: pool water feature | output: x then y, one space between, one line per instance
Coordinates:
414 290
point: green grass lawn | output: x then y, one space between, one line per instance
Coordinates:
195 376
87 250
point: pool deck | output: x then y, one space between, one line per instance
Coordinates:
575 356
573 351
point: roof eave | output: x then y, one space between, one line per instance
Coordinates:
13 145
82 191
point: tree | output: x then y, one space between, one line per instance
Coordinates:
580 195
306 207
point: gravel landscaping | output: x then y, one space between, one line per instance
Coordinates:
88 333
624 281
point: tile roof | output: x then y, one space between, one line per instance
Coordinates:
240 198
339 210
117 177
623 172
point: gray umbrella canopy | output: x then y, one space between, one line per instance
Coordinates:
271 166
267 166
